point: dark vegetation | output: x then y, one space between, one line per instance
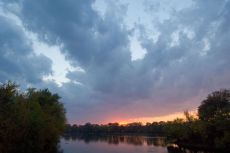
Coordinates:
31 121
208 131
156 128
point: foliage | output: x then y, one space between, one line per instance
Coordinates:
211 130
216 106
154 128
31 121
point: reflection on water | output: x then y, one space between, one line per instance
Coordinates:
119 144
116 139
113 144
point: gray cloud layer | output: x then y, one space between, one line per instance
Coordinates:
17 61
189 59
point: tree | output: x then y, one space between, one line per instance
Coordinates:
215 106
211 131
31 121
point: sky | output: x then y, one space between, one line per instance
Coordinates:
118 61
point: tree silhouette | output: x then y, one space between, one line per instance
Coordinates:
31 121
216 106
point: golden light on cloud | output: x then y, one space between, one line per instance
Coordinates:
123 123
169 117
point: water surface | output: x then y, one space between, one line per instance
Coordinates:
113 144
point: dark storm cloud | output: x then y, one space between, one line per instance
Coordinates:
189 59
17 60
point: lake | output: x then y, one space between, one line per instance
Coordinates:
113 144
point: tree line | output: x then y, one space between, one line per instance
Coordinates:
155 128
30 121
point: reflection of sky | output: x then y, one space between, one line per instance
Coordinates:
115 144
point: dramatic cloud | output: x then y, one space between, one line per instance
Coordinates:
186 44
17 61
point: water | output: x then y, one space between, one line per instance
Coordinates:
113 144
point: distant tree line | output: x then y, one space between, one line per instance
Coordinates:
31 121
155 128
209 130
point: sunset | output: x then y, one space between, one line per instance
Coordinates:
112 63
165 118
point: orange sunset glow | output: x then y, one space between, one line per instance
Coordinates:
169 117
